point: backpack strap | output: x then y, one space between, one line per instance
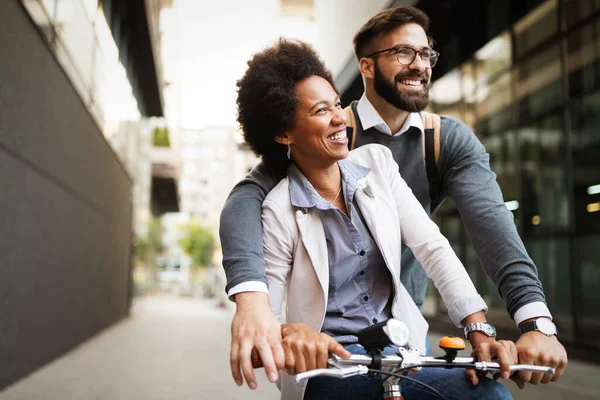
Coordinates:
431 153
350 127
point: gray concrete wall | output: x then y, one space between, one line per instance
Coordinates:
65 208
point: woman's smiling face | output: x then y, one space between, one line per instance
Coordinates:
319 135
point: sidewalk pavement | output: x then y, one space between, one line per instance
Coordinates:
178 348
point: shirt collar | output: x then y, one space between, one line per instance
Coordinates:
370 118
304 195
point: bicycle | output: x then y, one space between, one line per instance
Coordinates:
396 367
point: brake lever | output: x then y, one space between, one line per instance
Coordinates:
336 371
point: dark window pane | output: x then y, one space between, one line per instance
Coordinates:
539 88
552 260
543 192
577 10
585 144
494 101
583 56
589 319
536 27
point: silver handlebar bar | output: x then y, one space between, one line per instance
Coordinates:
358 365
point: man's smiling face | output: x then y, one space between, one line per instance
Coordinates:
404 86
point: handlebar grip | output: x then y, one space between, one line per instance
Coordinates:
256 360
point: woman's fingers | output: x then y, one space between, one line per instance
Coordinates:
322 354
309 349
337 349
306 349
299 357
290 360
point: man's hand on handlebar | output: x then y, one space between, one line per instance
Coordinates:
538 349
254 326
306 349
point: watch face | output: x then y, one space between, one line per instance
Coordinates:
489 330
546 326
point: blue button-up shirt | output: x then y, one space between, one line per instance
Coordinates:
360 285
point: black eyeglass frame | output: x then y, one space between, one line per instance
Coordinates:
419 52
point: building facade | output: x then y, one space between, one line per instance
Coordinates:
525 76
79 81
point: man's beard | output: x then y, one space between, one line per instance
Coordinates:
406 101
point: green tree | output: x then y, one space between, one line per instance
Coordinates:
160 137
198 243
147 248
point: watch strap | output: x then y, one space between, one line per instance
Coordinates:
528 327
533 326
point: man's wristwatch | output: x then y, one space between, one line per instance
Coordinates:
483 327
543 325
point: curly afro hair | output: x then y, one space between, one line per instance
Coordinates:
267 99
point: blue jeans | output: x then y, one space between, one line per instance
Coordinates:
451 383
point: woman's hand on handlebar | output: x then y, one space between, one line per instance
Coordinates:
306 349
485 348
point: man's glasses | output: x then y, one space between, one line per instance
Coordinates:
406 55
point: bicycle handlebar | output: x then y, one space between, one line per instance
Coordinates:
359 364
394 361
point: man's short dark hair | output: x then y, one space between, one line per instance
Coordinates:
385 22
267 98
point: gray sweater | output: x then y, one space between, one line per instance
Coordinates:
466 178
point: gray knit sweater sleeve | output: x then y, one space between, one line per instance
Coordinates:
468 180
240 228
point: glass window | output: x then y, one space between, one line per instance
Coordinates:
536 27
544 195
539 88
589 282
551 257
585 145
454 94
494 57
493 110
469 79
577 10
583 55
447 91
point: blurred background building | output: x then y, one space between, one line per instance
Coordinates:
80 84
119 146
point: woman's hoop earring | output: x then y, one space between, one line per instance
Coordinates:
289 151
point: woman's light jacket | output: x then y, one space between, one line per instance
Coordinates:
296 259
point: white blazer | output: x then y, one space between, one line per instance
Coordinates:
296 259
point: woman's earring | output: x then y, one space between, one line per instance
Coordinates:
289 151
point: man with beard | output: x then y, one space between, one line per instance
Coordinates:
396 60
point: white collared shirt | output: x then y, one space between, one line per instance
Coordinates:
370 118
